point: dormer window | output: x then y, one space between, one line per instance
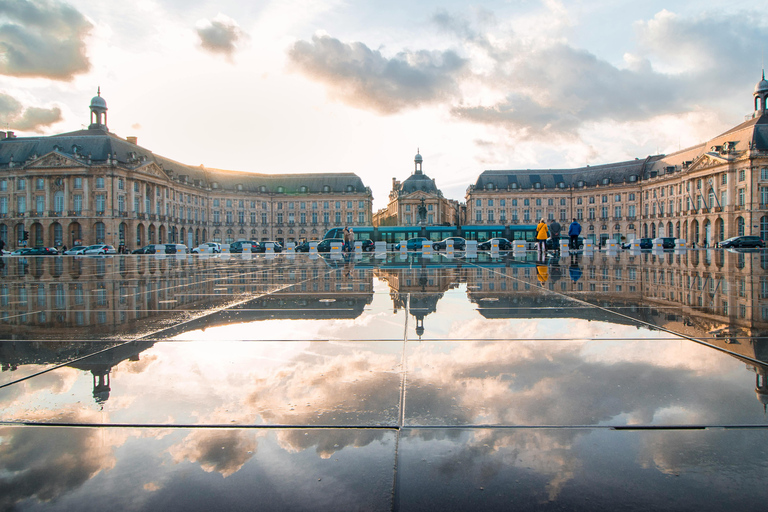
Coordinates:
580 183
280 189
561 184
633 178
263 189
303 189
606 181
513 186
326 188
239 187
489 186
350 188
537 185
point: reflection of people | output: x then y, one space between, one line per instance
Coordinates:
349 265
542 233
574 270
542 274
346 239
574 230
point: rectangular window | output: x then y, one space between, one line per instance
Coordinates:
502 202
240 203
303 217
742 175
121 204
360 218
4 205
338 218
3 185
21 204
263 218
241 217
349 205
631 196
617 212
478 202
407 207
724 179
216 216
763 196
78 203
216 203
591 214
604 212
503 216
40 184
490 202
526 216
21 184
631 210
39 204
253 217
291 218
100 203
314 217
338 205
314 205
478 216
764 173
121 184
229 217
490 214
741 197
279 218
326 218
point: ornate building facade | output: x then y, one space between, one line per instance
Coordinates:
91 186
406 198
704 194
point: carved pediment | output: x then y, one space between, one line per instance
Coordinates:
152 169
54 159
708 160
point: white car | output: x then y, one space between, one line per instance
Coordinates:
206 247
80 249
99 249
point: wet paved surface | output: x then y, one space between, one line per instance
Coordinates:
583 382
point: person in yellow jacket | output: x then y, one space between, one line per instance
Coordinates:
542 233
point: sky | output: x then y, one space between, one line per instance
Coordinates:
294 86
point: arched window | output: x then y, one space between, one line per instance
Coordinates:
720 230
58 234
4 233
645 230
740 226
653 230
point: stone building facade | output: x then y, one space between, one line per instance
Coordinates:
704 194
91 186
407 197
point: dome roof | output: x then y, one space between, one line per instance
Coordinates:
98 102
416 182
762 85
418 158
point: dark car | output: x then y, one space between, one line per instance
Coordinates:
325 244
237 247
262 246
35 251
459 244
551 245
742 241
504 244
647 243
412 244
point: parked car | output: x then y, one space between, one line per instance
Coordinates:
99 249
743 241
35 251
162 249
176 249
504 244
412 244
459 244
78 249
325 245
237 247
579 243
262 246
213 247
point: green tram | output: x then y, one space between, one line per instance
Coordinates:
481 233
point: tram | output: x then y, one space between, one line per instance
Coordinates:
481 233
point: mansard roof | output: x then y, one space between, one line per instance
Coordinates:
96 147
419 182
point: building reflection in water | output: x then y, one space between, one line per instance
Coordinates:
86 305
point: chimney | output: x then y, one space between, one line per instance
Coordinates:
11 135
133 140
2 135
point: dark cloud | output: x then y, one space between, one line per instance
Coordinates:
220 35
365 78
31 119
42 38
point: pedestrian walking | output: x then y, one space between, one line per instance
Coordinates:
574 230
554 233
542 233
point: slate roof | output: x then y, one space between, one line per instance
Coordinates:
416 182
100 145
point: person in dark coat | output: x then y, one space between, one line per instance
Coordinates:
554 233
574 230
2 246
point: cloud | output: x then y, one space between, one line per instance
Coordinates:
364 78
42 38
31 119
220 35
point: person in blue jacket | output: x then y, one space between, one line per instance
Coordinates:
574 230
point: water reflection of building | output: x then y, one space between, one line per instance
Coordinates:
57 303
423 286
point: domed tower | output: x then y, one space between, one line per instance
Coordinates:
417 160
761 96
98 112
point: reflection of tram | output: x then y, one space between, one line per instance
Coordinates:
481 233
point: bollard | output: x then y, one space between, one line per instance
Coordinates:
588 245
380 249
290 248
471 249
519 246
335 248
426 249
680 243
634 244
358 246
449 248
612 245
313 247
564 245
658 244
403 248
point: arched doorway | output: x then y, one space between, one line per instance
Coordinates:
695 232
36 235
197 237
56 233
75 234
707 233
183 235
685 231
100 232
645 230
740 229
161 234
4 234
719 230
653 230
151 234
172 235
670 231
140 235
677 229
19 229
205 237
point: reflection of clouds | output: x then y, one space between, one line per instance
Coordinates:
45 463
16 397
223 451
140 365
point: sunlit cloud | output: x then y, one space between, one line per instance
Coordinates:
43 38
220 35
